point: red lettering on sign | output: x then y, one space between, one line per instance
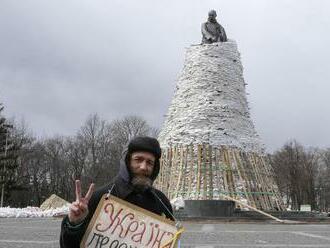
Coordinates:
171 236
159 237
152 233
132 227
111 217
120 224
139 236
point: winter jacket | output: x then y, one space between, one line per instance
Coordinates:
151 199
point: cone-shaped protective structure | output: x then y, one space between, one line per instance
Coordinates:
210 147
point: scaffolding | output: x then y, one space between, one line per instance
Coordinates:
205 172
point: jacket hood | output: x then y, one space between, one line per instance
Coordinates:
123 168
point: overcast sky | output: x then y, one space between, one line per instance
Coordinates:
61 60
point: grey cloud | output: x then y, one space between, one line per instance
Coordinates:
62 60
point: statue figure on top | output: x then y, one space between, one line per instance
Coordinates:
212 31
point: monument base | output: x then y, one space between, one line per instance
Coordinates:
208 208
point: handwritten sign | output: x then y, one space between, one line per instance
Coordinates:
120 224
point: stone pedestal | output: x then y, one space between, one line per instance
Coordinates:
209 208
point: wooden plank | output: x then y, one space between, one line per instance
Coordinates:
265 183
199 162
164 168
172 172
249 177
216 152
224 169
169 169
191 170
210 156
253 208
229 174
233 172
196 171
274 189
204 171
180 171
240 174
160 179
257 183
185 173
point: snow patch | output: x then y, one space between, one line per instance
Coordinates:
32 212
177 203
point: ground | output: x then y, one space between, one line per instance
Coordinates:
44 232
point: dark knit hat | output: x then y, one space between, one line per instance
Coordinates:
145 144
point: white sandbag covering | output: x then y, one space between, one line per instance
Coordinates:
209 103
209 143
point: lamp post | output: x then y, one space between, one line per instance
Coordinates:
4 168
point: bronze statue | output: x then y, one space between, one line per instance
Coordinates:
212 31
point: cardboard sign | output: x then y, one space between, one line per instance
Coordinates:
120 224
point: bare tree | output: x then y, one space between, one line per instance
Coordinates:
94 138
9 162
323 182
57 167
23 138
128 128
295 170
50 166
37 171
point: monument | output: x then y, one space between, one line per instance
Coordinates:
210 146
212 31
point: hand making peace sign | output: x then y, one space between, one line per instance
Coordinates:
79 209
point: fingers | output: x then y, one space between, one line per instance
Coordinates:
74 208
78 207
90 192
77 211
78 190
83 206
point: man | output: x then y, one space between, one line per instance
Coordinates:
138 169
212 31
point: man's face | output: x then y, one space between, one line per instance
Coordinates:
142 164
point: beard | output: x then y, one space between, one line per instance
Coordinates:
141 183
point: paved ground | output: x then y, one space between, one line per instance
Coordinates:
39 233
